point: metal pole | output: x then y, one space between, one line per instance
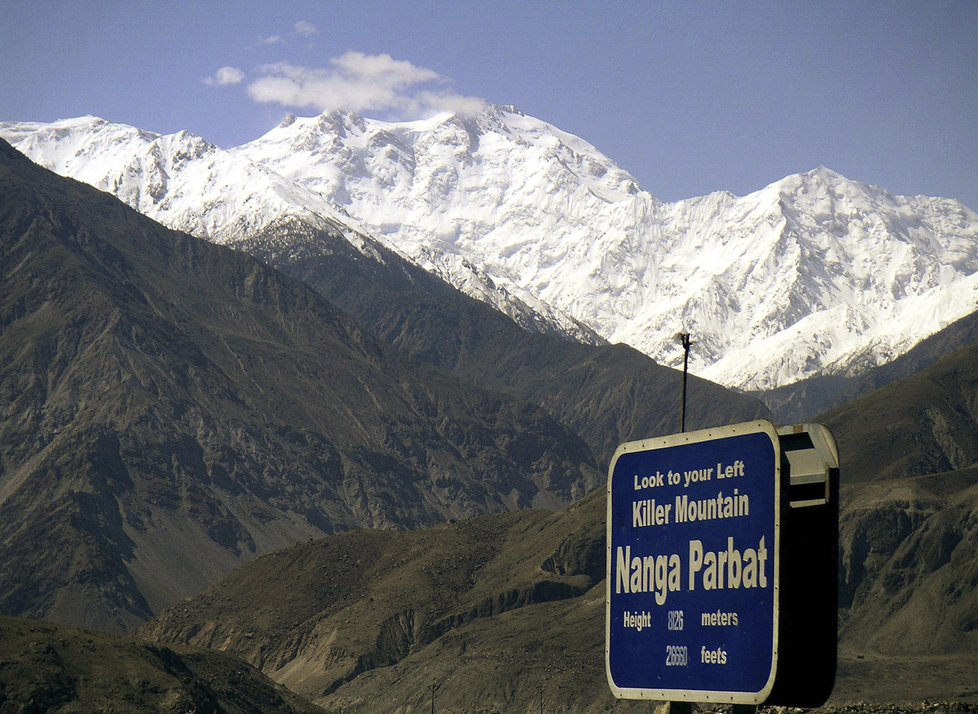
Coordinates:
684 338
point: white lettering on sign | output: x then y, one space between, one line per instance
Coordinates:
697 475
637 620
658 574
742 569
711 509
643 482
647 512
730 569
717 656
719 619
734 470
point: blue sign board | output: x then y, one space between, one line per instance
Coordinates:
693 545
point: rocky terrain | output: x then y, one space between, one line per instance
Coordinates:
606 393
509 610
173 409
51 668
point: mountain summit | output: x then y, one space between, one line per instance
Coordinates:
810 275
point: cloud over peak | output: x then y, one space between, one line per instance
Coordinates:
360 83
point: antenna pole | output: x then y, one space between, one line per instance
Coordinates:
684 339
433 687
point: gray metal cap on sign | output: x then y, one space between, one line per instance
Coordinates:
812 453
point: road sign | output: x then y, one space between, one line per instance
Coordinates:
693 548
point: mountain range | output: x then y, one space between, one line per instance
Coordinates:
175 408
813 275
263 446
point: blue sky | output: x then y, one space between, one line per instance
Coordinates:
690 97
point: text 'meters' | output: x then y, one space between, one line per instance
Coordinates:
693 548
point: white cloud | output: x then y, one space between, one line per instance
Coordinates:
271 40
449 102
225 76
304 28
384 69
361 83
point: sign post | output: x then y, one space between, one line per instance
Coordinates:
697 571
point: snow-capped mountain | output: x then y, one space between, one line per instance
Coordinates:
812 274
178 179
190 185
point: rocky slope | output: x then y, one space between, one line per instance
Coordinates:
606 393
799 401
501 613
923 424
458 603
173 409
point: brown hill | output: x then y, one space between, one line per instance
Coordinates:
923 424
495 611
501 611
910 565
52 668
908 530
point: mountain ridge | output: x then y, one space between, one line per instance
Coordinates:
745 274
606 393
188 184
784 283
